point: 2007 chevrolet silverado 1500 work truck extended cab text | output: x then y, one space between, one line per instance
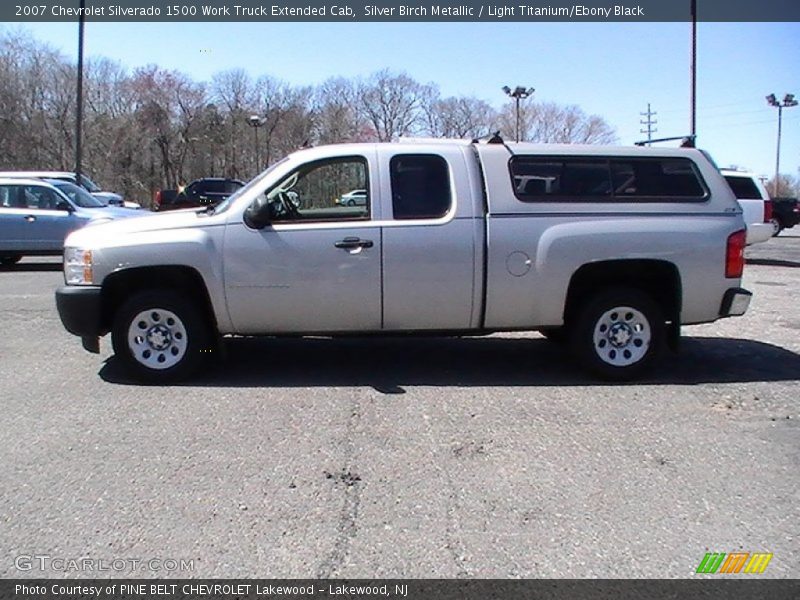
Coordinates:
610 249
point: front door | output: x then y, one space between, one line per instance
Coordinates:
317 266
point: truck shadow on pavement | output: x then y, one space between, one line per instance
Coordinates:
390 364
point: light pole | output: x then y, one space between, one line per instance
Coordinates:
255 122
79 99
787 102
518 93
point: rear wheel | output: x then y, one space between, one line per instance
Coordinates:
777 226
618 333
160 336
10 259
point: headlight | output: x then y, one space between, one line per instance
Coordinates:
78 266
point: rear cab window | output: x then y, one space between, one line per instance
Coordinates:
606 179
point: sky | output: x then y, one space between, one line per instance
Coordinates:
610 69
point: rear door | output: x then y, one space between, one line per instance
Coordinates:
432 241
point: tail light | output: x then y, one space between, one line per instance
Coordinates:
734 254
157 200
767 211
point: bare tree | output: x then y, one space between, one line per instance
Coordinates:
548 122
459 118
391 104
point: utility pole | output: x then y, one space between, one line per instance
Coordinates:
649 122
693 73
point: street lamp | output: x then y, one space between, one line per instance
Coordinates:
787 102
79 98
255 122
518 93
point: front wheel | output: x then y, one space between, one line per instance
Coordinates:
160 336
618 333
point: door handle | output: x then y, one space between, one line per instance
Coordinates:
353 242
30 218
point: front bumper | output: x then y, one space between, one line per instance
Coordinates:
735 302
80 311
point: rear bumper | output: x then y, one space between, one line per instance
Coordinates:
735 302
79 310
758 232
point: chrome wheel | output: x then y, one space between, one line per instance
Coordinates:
622 336
157 338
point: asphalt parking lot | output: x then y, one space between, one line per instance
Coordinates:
445 458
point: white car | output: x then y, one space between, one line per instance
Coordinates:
354 198
755 202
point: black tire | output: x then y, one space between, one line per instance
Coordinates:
161 337
618 333
10 259
777 226
351 202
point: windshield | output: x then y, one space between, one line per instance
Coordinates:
89 184
78 195
226 204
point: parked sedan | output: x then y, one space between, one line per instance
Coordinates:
90 186
36 216
354 198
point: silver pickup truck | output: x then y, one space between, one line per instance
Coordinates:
609 249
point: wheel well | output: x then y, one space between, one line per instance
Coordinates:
660 279
120 286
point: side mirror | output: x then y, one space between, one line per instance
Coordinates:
257 215
64 205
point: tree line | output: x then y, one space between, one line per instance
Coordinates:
152 128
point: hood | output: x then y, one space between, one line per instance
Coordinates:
142 221
115 212
108 198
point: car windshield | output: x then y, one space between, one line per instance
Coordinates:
89 184
78 195
226 204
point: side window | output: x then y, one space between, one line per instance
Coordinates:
215 187
563 179
333 189
420 186
743 187
656 178
40 197
605 179
8 196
